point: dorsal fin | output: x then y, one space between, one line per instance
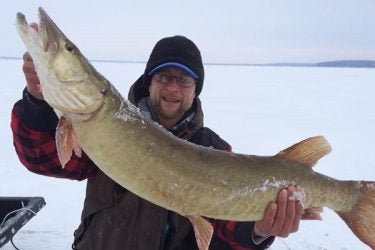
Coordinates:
307 152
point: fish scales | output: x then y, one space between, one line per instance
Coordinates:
173 172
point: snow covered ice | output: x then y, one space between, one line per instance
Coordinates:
258 110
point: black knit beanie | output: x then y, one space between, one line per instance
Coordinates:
178 49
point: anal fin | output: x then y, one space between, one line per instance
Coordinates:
203 231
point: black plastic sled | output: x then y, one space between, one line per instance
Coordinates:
15 212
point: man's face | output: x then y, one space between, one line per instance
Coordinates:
171 94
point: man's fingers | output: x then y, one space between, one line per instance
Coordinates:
28 64
297 217
282 201
264 226
32 79
297 212
269 217
28 67
290 215
283 217
312 213
311 216
27 57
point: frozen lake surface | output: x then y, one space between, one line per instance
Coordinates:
258 110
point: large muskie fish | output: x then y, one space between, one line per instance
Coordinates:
191 180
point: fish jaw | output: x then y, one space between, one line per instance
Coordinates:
68 81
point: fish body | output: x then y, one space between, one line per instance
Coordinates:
189 179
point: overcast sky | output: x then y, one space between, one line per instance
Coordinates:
246 31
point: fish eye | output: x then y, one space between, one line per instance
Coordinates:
69 47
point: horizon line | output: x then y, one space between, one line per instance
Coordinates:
217 63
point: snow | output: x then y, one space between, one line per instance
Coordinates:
259 110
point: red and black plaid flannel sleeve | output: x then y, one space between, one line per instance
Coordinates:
37 152
236 235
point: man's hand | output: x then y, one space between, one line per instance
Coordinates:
281 218
32 79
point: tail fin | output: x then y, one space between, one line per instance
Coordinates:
361 219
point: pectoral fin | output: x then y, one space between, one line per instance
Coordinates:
203 231
66 141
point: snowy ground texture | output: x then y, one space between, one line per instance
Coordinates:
259 110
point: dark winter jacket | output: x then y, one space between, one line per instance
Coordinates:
112 217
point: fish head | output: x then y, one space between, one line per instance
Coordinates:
69 83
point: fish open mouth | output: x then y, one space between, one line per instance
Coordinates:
46 32
62 72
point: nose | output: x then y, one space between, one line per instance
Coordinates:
173 84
